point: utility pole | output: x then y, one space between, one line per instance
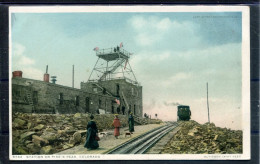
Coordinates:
73 76
208 103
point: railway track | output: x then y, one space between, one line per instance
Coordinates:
143 142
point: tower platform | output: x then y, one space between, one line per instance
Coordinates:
111 54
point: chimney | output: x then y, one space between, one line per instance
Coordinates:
17 74
46 77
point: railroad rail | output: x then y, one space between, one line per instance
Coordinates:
143 142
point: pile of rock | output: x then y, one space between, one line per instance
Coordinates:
194 138
51 133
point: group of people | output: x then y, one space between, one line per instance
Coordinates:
92 131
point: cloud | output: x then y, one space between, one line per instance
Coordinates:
138 22
18 49
181 78
155 30
150 30
176 78
33 73
151 57
212 100
19 56
24 63
164 24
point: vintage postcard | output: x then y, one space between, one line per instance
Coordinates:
129 82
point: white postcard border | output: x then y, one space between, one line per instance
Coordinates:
246 155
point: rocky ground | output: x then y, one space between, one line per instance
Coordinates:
194 138
51 133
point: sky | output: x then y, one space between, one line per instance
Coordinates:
175 54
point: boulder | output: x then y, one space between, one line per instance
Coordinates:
50 130
29 125
77 115
77 137
72 142
65 131
61 132
20 150
39 127
47 150
18 122
39 141
82 132
27 135
33 148
27 142
69 130
67 145
50 137
193 138
39 121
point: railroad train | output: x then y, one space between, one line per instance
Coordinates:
183 113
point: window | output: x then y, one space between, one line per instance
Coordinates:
104 91
106 105
61 98
99 103
117 89
95 90
87 104
77 100
112 107
132 91
35 97
18 93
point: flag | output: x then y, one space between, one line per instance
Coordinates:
117 101
96 49
121 44
125 63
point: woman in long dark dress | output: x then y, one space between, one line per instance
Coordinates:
91 142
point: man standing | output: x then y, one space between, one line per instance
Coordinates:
123 110
131 123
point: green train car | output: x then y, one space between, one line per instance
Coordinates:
183 113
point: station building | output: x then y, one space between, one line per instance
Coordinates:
110 90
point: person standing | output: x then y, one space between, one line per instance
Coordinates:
116 124
91 141
131 123
123 110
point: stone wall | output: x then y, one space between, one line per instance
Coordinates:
133 93
54 98
51 133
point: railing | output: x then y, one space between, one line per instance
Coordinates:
112 50
117 78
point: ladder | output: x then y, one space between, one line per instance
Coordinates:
119 62
103 89
30 101
127 106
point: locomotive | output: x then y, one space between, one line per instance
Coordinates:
183 113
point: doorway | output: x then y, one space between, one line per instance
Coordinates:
87 105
